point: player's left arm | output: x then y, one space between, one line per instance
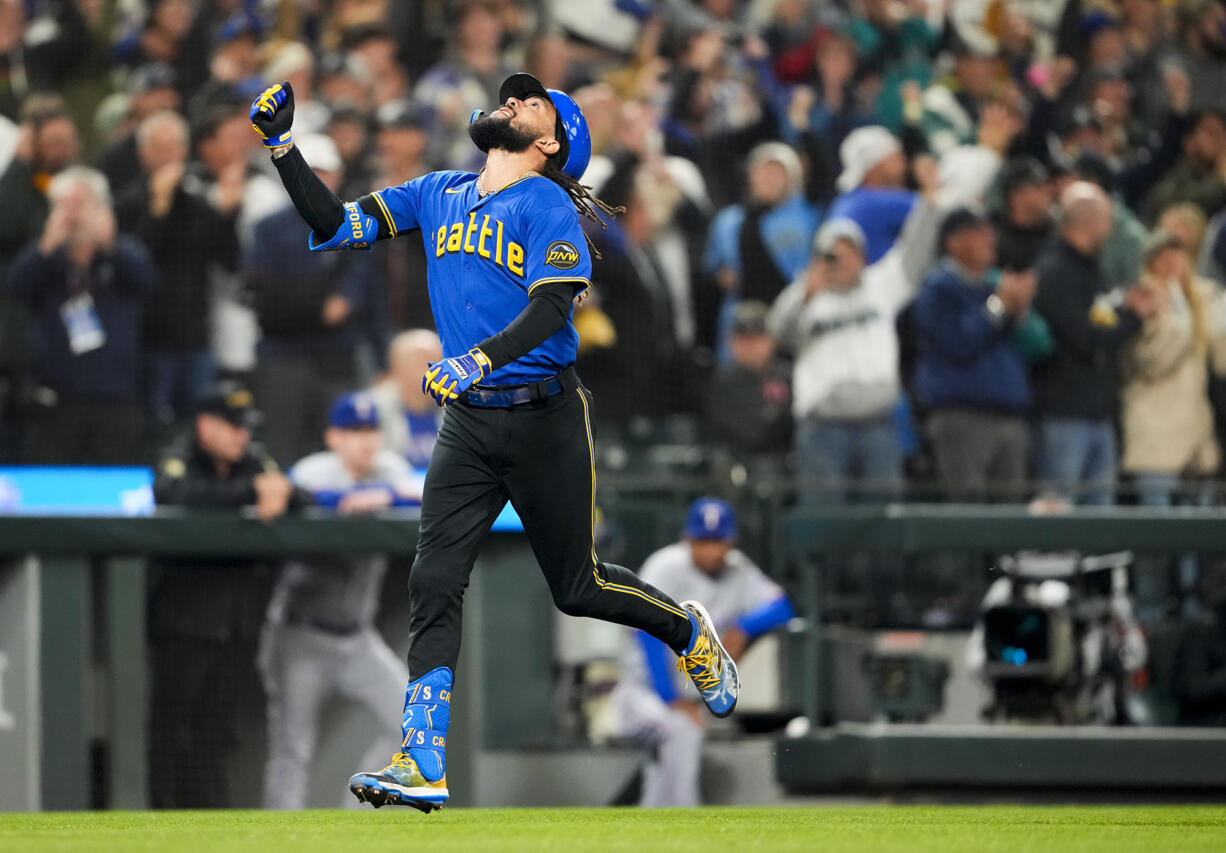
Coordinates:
767 606
557 267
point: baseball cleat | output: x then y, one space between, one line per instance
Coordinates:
399 784
708 664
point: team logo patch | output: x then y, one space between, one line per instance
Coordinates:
562 255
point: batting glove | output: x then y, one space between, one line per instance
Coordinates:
272 113
446 380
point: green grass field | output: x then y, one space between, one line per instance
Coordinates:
866 829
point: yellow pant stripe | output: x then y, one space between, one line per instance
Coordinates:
601 582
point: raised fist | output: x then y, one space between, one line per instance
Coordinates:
272 114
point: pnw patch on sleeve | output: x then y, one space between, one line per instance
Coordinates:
562 255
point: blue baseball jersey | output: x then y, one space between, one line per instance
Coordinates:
484 257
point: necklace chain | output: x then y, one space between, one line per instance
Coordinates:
482 192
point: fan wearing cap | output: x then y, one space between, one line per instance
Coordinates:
652 702
838 320
971 375
319 637
873 187
505 258
204 614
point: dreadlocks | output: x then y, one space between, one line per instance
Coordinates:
588 205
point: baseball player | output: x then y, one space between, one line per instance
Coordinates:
319 637
651 703
505 258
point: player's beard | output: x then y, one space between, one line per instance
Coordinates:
490 132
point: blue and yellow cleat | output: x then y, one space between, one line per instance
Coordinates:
417 776
401 783
708 664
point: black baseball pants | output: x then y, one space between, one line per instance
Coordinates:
540 457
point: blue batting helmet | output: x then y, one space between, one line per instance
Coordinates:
572 134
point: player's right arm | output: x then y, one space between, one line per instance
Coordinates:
334 224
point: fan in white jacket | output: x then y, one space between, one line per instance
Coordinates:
838 319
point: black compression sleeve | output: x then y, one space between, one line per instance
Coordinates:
546 313
318 205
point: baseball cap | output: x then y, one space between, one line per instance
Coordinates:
863 149
230 401
749 318
1027 172
834 230
355 410
959 219
150 76
710 518
240 24
320 152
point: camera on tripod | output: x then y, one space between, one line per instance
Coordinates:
1057 640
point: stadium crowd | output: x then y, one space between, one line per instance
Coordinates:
974 244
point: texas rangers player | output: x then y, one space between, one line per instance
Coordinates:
505 258
651 703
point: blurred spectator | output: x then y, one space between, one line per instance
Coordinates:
185 234
204 614
319 638
470 74
651 701
1200 47
85 288
896 44
1076 388
224 142
952 105
1147 46
316 312
748 404
1200 176
1120 258
409 419
234 62
400 144
151 89
373 47
971 375
350 132
1024 222
634 294
717 107
672 193
41 45
345 80
1199 677
173 32
829 106
46 144
755 249
872 185
838 319
1166 421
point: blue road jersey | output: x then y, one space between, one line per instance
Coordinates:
484 256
